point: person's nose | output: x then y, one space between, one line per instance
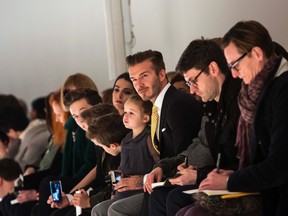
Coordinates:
138 84
234 73
120 95
193 89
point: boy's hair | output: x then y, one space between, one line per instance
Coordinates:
78 80
146 106
97 111
91 96
107 129
9 169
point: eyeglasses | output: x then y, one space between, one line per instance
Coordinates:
193 82
234 65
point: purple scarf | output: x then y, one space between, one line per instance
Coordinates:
247 100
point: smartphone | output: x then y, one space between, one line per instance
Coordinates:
56 190
115 176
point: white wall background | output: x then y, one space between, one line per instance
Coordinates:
44 41
170 25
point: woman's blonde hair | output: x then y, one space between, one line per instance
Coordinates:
76 81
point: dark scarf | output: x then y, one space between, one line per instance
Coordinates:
248 100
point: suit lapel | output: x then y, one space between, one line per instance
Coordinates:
166 101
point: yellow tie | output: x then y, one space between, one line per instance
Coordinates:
154 124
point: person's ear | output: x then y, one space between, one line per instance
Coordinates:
146 118
213 69
113 145
258 53
1 181
162 75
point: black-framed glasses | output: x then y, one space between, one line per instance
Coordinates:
234 65
193 82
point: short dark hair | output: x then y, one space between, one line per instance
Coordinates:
12 114
107 129
97 111
152 55
199 54
39 105
9 169
91 96
248 34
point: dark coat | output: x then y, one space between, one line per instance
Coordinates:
269 171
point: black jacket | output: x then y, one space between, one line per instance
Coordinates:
269 171
179 122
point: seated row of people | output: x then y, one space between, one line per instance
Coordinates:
229 116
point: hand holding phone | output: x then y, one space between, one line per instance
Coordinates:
115 176
56 191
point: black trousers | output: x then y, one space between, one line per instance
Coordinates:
8 209
169 200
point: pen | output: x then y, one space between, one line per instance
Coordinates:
186 162
218 162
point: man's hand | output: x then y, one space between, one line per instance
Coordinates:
64 203
29 171
27 195
215 181
81 199
130 183
187 176
155 174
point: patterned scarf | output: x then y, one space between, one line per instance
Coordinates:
247 100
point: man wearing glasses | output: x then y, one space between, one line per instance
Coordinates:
262 132
205 70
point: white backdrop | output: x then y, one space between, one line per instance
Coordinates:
42 42
170 25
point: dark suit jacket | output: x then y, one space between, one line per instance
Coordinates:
179 122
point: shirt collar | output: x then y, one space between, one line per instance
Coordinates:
160 97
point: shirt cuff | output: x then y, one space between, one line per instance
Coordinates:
70 197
